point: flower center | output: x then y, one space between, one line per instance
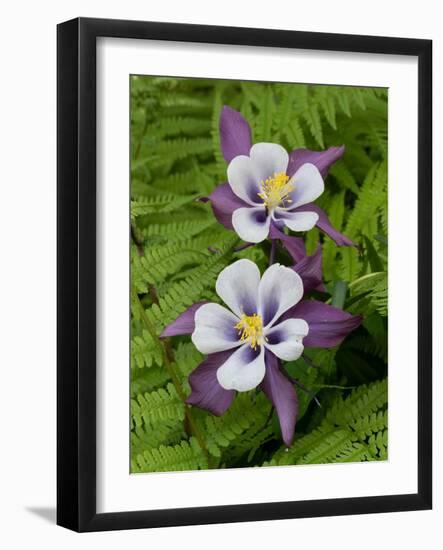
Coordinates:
275 191
250 329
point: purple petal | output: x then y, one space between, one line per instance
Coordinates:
280 391
328 325
235 134
206 391
184 324
224 202
323 160
310 270
325 225
294 245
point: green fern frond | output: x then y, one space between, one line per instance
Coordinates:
372 424
215 132
344 102
252 92
327 103
313 119
332 445
182 457
159 204
172 126
249 443
149 437
223 430
371 197
265 117
283 111
356 452
351 427
379 296
176 149
363 217
378 445
146 380
160 405
301 447
294 134
145 352
184 101
178 231
344 177
187 181
161 261
374 289
363 401
187 358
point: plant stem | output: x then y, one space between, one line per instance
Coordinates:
138 241
303 387
273 250
139 145
168 364
310 393
243 247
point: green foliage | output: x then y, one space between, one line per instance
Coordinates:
355 426
187 455
229 429
178 249
145 351
160 405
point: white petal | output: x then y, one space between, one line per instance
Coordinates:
285 339
268 159
243 370
297 221
308 185
280 288
237 286
251 224
215 329
243 180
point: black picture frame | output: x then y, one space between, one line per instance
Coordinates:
76 279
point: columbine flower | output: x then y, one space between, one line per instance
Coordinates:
260 180
249 326
265 321
268 188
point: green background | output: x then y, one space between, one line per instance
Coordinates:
178 248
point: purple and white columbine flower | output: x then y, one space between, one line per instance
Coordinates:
261 181
265 321
268 188
251 324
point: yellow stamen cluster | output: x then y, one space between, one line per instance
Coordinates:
250 329
275 191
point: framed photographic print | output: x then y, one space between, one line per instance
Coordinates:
244 274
